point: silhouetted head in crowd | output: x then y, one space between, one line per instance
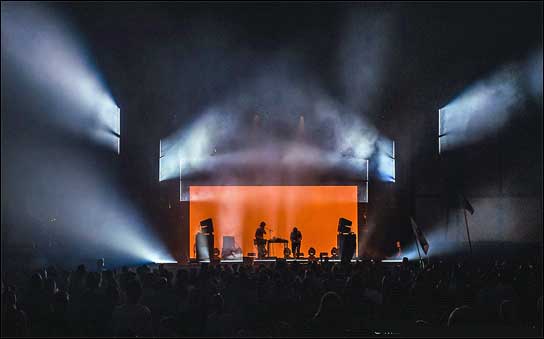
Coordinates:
218 303
330 306
50 286
355 281
182 276
36 281
92 281
51 271
539 311
108 277
61 301
147 280
143 270
422 323
508 312
162 283
167 327
10 300
461 317
81 269
133 291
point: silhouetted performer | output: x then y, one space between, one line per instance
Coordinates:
296 239
260 241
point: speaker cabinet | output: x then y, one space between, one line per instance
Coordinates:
206 226
344 225
204 246
346 245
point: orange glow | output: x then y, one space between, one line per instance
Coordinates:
238 210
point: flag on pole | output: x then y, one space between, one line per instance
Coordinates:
420 237
466 205
456 199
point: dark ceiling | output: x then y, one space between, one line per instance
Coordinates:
439 47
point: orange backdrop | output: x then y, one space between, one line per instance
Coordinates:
238 210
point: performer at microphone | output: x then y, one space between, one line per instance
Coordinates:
296 238
260 241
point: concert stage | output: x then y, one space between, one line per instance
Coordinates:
267 262
238 210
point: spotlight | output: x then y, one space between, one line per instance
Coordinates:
334 252
385 159
91 111
488 105
311 252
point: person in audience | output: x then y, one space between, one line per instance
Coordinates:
14 321
36 306
218 322
461 317
329 319
132 318
60 324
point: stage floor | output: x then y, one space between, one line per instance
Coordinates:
269 261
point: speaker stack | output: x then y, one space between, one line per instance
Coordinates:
204 240
346 241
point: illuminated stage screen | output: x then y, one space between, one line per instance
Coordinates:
238 210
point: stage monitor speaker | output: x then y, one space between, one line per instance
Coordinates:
346 245
206 226
344 225
228 242
228 246
204 246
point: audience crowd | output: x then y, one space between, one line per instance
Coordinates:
367 298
